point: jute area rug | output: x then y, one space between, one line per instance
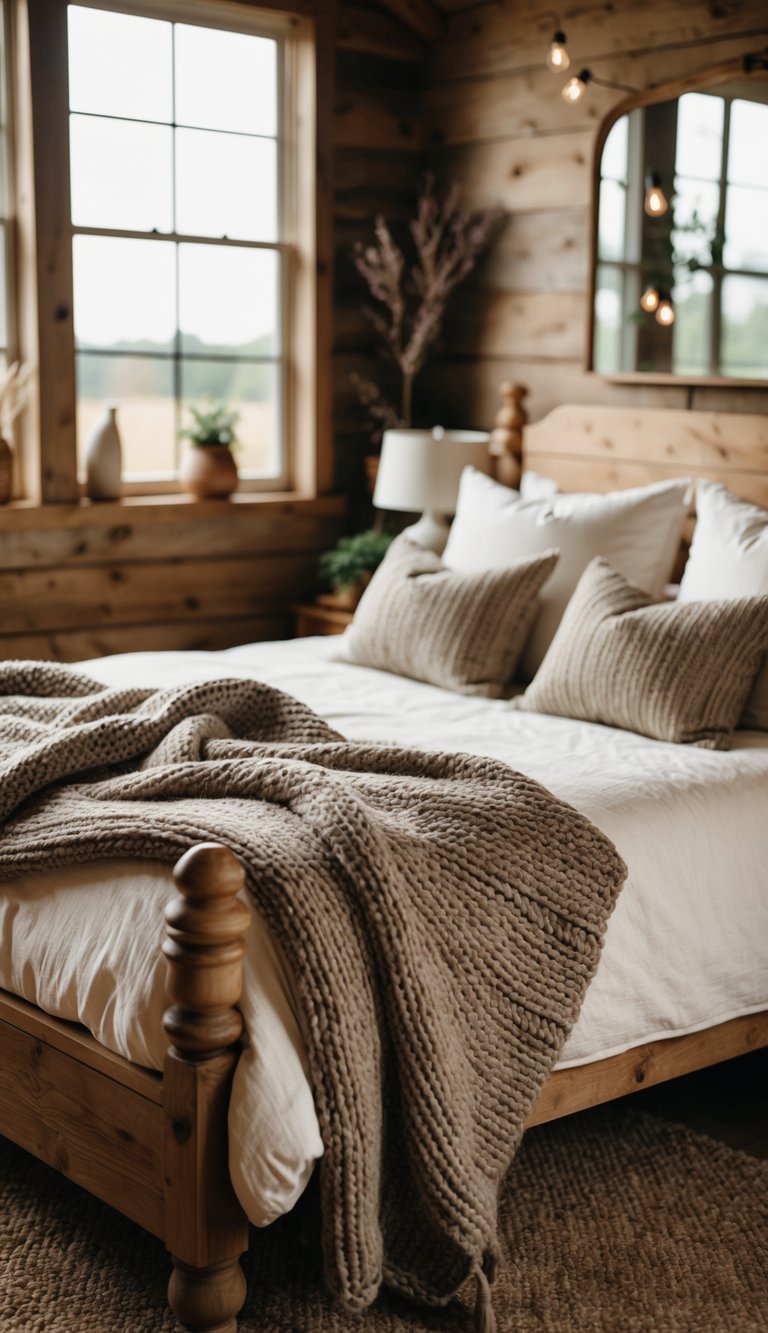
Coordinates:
612 1220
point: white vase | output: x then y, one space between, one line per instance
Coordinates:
103 458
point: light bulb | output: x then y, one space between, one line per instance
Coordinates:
650 300
575 88
665 312
558 58
656 204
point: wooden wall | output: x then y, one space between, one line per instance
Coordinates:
496 123
79 581
379 156
471 98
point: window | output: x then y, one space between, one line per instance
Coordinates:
175 150
172 153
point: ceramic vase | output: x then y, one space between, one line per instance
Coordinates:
209 472
103 458
6 471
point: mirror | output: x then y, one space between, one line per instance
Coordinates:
680 243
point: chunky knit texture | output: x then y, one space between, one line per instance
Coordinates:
464 631
672 671
441 914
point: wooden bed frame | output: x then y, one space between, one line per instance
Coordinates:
155 1146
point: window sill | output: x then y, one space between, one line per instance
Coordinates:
137 509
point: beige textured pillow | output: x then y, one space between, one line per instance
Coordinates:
674 672
464 632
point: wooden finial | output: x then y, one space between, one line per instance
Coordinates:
204 951
507 437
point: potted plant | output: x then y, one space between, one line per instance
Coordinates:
208 469
347 569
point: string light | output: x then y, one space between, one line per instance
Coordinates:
558 58
650 300
575 88
656 203
665 312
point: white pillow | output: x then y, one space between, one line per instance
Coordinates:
729 558
638 531
533 486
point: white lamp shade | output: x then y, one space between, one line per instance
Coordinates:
420 469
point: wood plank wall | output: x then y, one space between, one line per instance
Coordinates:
83 581
477 105
497 124
379 157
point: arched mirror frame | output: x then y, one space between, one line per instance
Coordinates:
753 66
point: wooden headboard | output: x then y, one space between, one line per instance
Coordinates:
586 448
608 448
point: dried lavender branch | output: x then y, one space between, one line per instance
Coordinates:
447 244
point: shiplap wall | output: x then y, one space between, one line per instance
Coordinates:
495 122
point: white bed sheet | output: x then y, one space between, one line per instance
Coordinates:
686 947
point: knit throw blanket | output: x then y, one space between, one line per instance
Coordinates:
442 916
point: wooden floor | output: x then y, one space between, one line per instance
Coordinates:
728 1102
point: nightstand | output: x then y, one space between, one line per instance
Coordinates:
311 619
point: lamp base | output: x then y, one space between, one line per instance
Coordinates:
431 531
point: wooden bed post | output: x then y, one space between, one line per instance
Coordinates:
507 435
206 1230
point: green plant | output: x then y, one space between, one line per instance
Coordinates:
213 424
353 557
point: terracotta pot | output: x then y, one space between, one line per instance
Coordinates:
209 472
6 471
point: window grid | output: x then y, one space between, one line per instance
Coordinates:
178 356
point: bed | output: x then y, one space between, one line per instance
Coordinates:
155 1144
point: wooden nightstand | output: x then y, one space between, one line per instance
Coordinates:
311 619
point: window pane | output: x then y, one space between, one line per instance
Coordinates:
745 327
700 135
695 209
613 163
613 206
747 156
254 391
746 228
142 388
607 351
692 296
3 293
119 65
121 174
228 300
247 207
125 293
225 80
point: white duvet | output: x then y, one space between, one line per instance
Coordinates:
687 945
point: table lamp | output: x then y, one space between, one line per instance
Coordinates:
420 470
